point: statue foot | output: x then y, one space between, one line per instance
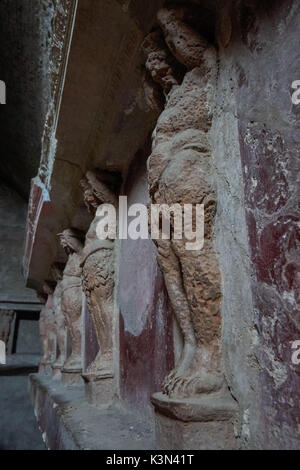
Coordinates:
58 364
187 386
179 370
73 363
196 373
102 365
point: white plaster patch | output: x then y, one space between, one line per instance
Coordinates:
245 424
278 370
254 183
289 296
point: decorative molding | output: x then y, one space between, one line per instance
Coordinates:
62 30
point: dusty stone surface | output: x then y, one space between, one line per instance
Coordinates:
76 425
18 427
174 434
256 157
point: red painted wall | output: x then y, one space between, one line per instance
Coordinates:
146 339
267 62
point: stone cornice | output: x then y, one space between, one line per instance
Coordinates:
62 28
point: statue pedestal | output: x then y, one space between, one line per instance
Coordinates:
45 368
204 422
99 389
71 376
56 371
42 368
48 368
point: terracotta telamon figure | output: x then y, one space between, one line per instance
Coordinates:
71 300
98 276
60 322
180 171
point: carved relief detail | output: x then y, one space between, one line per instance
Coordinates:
62 20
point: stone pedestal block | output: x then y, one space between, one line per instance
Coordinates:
48 368
99 390
197 423
71 377
68 422
56 372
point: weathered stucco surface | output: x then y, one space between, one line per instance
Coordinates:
256 144
13 293
145 336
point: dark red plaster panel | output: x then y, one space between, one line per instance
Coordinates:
146 339
90 339
269 125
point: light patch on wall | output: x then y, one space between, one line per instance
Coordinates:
2 92
2 352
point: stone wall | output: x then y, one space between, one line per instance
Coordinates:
145 325
13 293
256 148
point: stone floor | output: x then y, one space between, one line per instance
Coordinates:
67 421
18 426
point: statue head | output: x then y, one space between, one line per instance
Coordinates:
100 187
89 197
71 240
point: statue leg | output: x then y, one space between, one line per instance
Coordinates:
171 269
45 350
201 287
72 301
102 319
98 282
61 342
